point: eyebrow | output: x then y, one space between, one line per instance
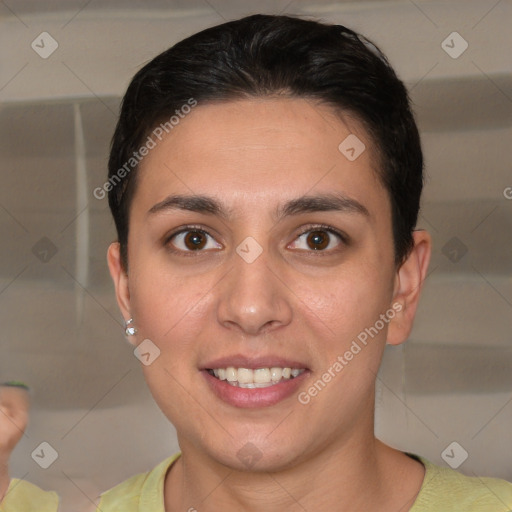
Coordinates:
305 204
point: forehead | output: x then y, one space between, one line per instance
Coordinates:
261 150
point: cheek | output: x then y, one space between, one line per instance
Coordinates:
346 303
171 312
165 302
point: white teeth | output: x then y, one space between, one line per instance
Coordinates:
276 374
245 376
231 374
261 376
258 378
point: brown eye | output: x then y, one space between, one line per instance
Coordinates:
318 240
192 240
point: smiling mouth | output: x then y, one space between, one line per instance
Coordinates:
257 378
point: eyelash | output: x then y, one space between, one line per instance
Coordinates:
344 239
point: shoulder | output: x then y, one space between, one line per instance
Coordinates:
139 491
22 495
448 490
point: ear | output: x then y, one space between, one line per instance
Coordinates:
120 278
409 280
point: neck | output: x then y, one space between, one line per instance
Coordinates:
359 474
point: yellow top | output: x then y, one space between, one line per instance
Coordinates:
443 490
22 496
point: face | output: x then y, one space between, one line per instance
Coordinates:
285 262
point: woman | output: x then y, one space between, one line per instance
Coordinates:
265 178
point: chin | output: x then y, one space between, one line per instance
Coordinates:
255 456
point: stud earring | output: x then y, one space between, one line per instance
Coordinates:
130 330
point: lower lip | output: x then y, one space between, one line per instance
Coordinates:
252 398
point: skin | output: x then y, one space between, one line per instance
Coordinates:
293 301
14 407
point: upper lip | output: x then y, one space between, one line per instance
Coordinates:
241 361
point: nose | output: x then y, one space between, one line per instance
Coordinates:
253 297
